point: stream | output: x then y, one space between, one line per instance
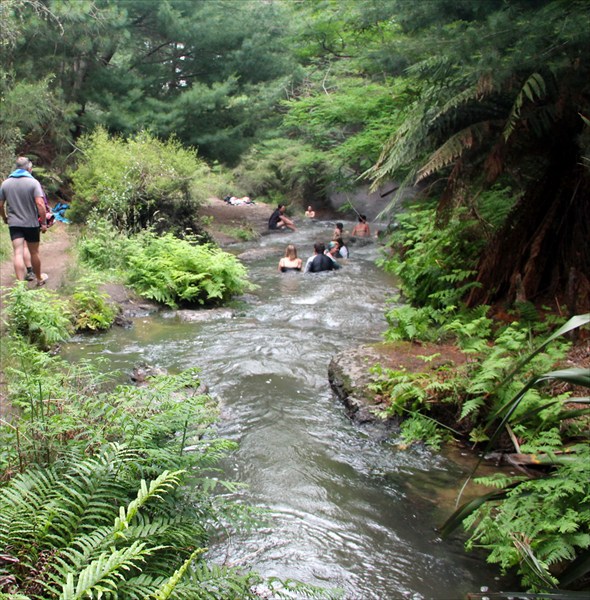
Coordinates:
347 510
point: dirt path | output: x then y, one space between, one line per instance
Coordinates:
55 258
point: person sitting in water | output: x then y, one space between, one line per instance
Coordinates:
278 220
342 248
333 252
290 262
310 212
319 261
361 229
338 231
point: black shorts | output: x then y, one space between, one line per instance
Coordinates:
32 235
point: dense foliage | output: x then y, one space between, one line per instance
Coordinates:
136 182
164 268
44 319
510 112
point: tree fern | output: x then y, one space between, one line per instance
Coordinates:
452 149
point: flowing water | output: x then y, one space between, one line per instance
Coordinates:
347 510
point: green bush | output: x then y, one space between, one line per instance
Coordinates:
91 308
284 170
39 316
135 182
101 246
435 264
5 245
172 271
539 526
164 268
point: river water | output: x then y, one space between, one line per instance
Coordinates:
347 510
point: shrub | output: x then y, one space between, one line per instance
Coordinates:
164 268
39 316
173 271
91 308
284 170
539 526
435 264
101 246
134 182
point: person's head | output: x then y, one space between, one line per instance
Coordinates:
362 218
333 247
339 226
309 208
281 208
319 247
22 162
339 241
291 252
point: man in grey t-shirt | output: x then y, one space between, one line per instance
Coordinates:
22 207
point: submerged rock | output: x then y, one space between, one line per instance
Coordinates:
207 314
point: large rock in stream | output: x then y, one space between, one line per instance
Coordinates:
349 374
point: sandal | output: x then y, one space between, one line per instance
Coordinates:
41 282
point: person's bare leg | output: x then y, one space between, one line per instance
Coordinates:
288 223
18 258
27 256
29 275
35 260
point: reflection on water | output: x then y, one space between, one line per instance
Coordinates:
347 511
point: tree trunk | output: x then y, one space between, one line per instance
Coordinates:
542 253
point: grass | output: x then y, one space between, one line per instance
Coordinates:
5 245
244 231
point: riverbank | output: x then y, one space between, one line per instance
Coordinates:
349 371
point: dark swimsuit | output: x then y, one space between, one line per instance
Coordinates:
285 269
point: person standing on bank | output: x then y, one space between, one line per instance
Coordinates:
22 207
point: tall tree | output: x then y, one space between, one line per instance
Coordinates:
208 71
503 96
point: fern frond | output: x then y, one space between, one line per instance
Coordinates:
162 484
533 89
166 590
101 575
452 149
474 92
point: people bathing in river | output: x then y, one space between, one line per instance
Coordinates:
310 212
320 261
333 252
290 262
278 220
361 229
